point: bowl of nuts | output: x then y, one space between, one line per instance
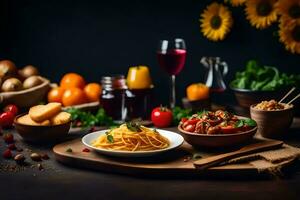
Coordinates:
273 118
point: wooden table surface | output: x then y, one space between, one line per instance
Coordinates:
62 182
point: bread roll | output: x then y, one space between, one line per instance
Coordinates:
60 118
26 120
41 113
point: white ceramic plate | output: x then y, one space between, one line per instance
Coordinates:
175 141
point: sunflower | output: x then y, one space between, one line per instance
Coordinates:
261 13
236 3
216 21
289 34
289 8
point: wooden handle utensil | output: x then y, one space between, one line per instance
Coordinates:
208 162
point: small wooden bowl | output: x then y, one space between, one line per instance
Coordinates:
26 98
33 133
272 123
217 140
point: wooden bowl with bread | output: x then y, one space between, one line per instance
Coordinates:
43 123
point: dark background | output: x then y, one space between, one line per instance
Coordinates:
97 38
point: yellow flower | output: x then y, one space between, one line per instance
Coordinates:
216 21
289 34
289 8
236 3
261 13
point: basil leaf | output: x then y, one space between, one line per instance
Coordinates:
110 138
134 126
239 124
250 122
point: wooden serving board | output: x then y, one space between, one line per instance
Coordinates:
169 163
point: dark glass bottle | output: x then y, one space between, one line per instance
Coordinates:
114 97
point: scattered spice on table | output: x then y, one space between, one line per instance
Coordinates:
86 150
7 154
19 158
35 157
12 146
16 161
40 167
8 138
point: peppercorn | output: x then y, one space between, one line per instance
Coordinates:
35 157
19 158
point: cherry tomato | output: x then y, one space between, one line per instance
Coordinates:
184 120
192 121
6 119
11 108
161 117
190 128
229 129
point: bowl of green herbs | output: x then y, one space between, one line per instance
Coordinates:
259 82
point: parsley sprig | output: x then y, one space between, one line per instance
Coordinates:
89 119
242 122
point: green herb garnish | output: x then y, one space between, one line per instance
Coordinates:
109 136
242 122
250 122
179 113
134 126
88 119
69 150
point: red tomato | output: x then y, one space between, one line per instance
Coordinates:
161 117
190 128
229 129
11 108
192 121
6 119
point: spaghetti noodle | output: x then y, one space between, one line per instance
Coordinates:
126 138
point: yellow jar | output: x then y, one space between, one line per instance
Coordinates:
138 77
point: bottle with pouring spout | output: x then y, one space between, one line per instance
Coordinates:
216 70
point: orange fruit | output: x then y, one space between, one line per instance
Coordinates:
197 91
92 91
73 96
56 94
70 80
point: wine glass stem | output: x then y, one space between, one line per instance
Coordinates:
172 95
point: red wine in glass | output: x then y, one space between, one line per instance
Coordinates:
171 56
172 61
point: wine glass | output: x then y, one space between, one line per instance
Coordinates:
171 56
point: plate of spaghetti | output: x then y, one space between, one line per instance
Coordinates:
132 140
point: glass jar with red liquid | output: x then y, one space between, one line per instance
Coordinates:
115 97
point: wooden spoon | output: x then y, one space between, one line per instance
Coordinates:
208 162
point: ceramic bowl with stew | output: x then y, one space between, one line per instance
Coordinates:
217 140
